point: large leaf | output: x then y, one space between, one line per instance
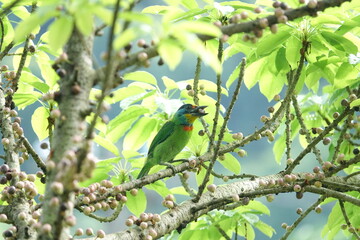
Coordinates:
141 76
293 46
346 75
32 23
136 204
139 133
170 52
84 20
231 163
39 122
107 144
60 31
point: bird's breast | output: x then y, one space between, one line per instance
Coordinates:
188 128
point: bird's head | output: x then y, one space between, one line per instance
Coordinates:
188 113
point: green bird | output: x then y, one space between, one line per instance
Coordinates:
172 137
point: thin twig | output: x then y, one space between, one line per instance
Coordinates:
304 129
222 130
340 139
316 140
6 50
344 165
110 218
301 217
351 175
221 231
333 193
234 176
108 72
186 186
218 100
288 131
2 33
8 8
196 93
33 153
347 220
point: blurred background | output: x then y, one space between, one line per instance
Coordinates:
246 118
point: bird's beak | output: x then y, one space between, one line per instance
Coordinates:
198 111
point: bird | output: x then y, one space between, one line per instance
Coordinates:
172 137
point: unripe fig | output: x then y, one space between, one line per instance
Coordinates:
211 187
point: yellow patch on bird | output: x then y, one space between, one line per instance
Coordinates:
190 118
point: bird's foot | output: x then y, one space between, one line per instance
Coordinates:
179 160
169 166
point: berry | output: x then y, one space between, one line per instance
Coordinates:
299 211
241 153
142 56
312 4
282 19
270 197
297 188
211 187
278 12
318 209
134 191
356 151
244 15
326 141
258 10
276 4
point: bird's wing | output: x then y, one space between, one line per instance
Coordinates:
161 136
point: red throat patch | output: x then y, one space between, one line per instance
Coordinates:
188 128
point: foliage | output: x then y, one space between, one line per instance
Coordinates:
313 62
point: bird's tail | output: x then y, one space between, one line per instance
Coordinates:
145 170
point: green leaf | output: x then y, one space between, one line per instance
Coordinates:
124 38
159 187
20 11
127 114
138 17
136 98
122 123
231 163
30 79
265 228
141 76
60 31
199 27
270 84
252 72
170 52
139 133
355 103
136 204
107 144
84 20
346 75
258 206
39 122
179 191
192 43
279 148
169 83
339 42
125 92
272 41
47 72
32 23
23 100
293 46
101 171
